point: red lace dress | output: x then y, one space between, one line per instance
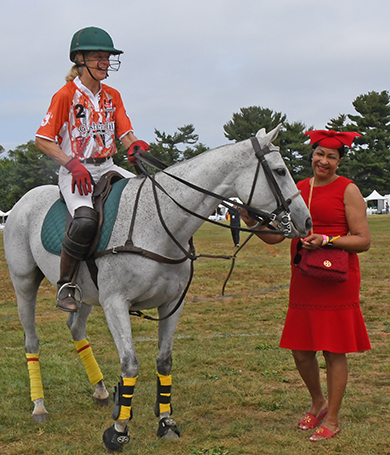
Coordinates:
324 315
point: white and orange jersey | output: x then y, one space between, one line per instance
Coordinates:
85 125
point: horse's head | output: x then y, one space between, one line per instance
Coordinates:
272 189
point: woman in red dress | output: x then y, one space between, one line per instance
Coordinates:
324 315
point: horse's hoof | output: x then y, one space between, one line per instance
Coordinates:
103 402
167 429
41 418
114 440
171 434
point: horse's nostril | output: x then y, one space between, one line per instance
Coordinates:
308 224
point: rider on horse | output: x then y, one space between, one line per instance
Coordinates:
79 133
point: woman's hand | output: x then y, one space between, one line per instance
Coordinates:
312 242
249 221
262 234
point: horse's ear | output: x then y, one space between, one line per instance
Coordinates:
265 138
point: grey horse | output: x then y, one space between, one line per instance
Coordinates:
132 282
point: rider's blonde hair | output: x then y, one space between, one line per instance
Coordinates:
73 73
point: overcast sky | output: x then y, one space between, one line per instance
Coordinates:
200 61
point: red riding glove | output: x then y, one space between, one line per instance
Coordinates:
133 149
80 177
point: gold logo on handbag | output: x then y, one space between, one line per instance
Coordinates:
327 263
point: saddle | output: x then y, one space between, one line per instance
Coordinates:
99 197
106 198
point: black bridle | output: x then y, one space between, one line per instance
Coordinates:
282 203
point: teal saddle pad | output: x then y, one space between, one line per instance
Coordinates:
54 225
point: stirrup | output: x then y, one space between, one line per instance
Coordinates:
76 295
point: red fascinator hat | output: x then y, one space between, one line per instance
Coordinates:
332 139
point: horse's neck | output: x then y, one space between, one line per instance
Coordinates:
214 171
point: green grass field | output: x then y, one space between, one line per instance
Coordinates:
234 390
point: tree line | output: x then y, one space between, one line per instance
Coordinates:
367 162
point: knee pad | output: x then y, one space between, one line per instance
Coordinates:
81 232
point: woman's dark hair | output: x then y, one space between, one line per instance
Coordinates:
341 151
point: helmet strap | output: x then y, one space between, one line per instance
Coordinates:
86 66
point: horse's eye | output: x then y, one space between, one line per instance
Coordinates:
281 172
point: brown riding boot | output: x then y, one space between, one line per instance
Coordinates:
66 300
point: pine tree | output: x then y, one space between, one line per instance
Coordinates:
166 146
295 149
250 120
291 139
368 160
25 168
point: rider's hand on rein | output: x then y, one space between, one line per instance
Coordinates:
134 148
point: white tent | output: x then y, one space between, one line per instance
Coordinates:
374 196
377 202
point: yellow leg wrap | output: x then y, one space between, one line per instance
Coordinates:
126 410
86 355
164 392
34 372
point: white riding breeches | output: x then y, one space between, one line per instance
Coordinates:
75 200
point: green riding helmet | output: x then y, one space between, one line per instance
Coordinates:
92 39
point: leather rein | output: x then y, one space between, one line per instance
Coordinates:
264 218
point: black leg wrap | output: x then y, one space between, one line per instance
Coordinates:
119 399
166 424
114 440
163 397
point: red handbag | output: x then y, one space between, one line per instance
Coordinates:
325 263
